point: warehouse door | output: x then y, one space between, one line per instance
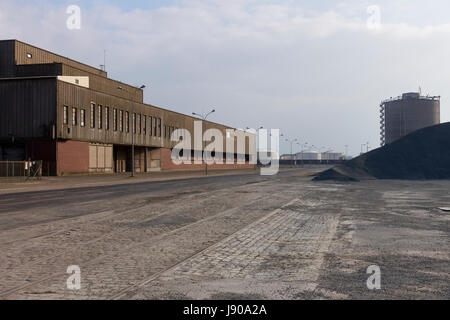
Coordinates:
120 159
100 158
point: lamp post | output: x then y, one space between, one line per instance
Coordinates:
132 125
329 151
204 117
291 142
300 145
303 155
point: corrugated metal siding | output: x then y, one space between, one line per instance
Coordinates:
33 96
74 96
81 98
27 107
7 68
106 85
35 70
40 56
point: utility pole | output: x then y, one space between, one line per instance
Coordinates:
303 153
133 125
204 117
300 145
291 142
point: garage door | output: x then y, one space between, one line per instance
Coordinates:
100 158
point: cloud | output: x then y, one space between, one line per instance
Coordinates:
316 73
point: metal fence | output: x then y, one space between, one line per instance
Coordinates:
25 170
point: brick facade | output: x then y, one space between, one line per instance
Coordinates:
73 157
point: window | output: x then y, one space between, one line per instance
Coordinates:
92 115
82 117
139 121
74 117
127 121
29 56
159 127
134 122
66 115
150 129
121 121
106 118
115 120
144 121
100 117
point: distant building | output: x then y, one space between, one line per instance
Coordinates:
309 156
287 157
333 156
314 157
320 156
403 115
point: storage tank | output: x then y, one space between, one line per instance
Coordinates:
309 155
332 156
410 112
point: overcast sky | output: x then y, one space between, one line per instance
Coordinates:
314 69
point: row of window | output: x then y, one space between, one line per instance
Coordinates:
121 121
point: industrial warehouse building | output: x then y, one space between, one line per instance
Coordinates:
75 119
403 115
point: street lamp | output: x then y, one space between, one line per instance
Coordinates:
300 145
303 149
323 154
133 125
291 142
204 116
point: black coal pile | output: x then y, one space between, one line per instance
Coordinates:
421 155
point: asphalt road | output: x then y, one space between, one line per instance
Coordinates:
74 198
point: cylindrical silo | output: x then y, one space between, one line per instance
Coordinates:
406 114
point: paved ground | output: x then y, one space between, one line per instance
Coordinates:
228 237
15 185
